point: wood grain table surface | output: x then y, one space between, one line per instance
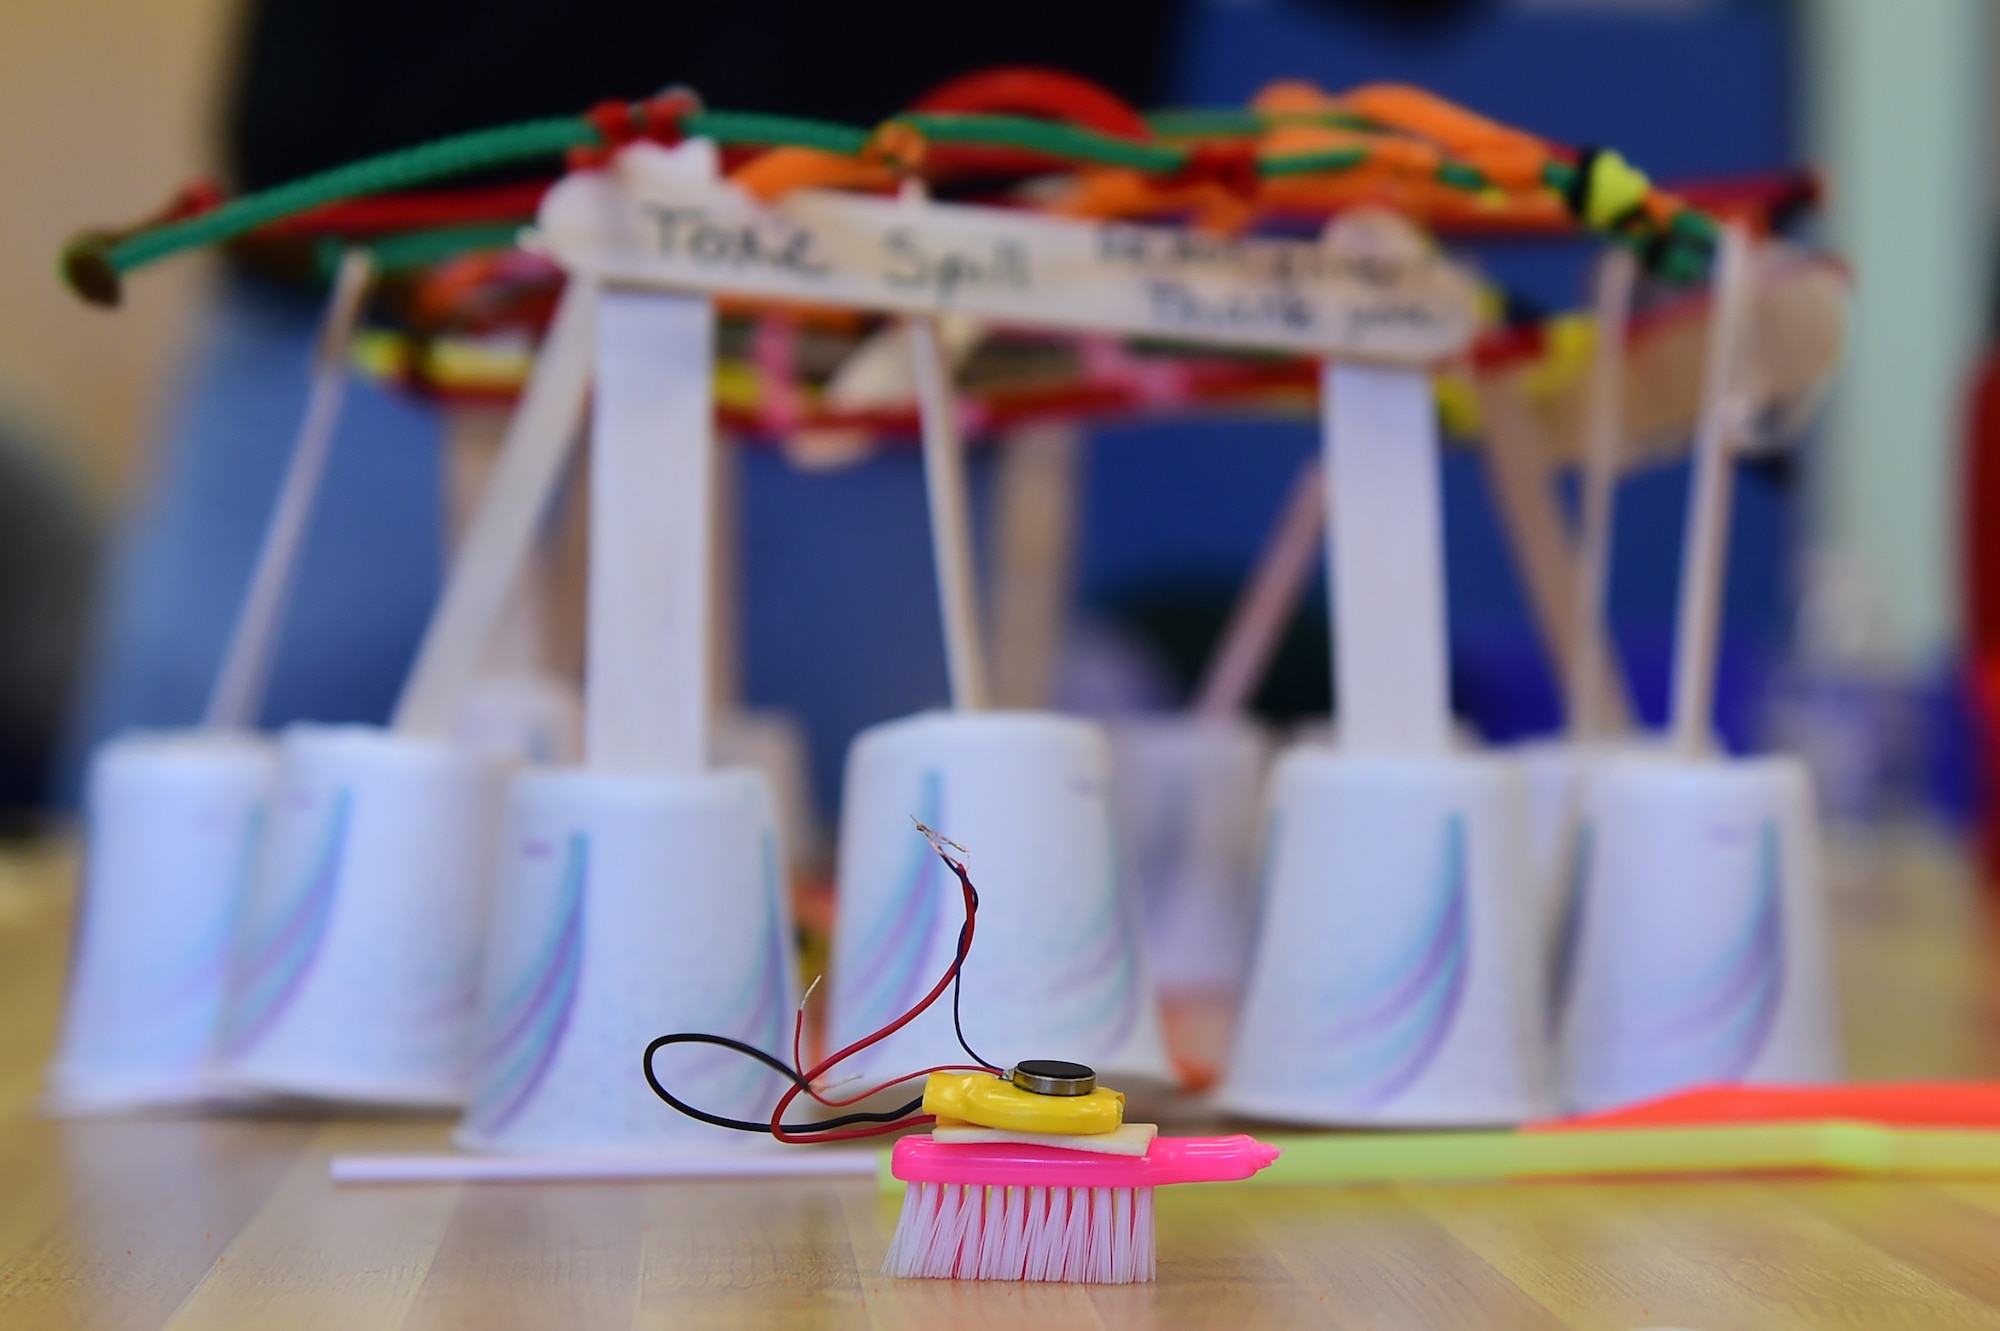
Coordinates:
231 1224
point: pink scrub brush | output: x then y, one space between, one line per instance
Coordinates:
995 1211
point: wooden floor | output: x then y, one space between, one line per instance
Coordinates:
232 1224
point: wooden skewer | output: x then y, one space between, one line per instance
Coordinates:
950 512
238 695
1597 699
1704 557
1268 601
1519 462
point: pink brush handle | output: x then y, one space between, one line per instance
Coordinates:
1011 1165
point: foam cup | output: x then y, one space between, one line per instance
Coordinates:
1700 931
356 959
1058 966
1397 978
630 906
172 821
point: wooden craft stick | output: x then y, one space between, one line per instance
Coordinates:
1598 703
238 695
1268 601
518 645
1034 559
539 439
725 629
1391 681
1523 472
1705 554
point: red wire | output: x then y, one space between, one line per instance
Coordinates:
1024 90
1048 94
876 1037
798 1066
383 214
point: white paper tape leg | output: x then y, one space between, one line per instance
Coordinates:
172 826
1387 553
1396 979
630 907
651 470
1058 966
357 956
1700 932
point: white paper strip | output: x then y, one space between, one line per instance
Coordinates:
1392 692
652 503
651 470
1370 290
557 1168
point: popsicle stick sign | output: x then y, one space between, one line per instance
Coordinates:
1369 290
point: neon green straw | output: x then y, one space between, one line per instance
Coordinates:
1486 1157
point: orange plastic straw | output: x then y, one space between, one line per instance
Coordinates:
1909 1104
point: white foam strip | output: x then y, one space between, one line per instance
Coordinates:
452 1168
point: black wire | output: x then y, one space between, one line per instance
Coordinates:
776 1065
958 966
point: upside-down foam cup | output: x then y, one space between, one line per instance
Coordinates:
629 907
775 744
522 720
1058 967
1397 979
1700 932
357 956
1187 794
171 828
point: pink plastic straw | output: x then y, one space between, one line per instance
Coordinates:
1014 1165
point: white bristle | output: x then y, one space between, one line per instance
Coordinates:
1086 1235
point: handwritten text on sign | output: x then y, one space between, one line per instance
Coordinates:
1370 289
